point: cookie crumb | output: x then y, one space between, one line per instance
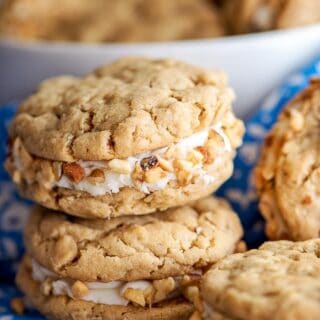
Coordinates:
17 305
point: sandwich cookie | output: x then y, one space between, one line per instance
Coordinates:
132 137
280 280
288 173
126 265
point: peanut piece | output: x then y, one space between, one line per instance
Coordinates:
165 164
296 120
73 171
154 175
135 296
120 166
79 289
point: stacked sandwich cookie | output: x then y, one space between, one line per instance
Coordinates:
127 155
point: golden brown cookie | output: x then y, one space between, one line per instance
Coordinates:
132 137
288 173
109 21
178 241
280 280
245 16
62 307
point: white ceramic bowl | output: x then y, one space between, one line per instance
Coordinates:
255 63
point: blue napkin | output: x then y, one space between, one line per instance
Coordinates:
239 190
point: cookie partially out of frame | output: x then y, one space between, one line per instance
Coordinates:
280 280
132 137
178 241
63 307
245 16
288 173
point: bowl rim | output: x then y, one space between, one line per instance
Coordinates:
218 41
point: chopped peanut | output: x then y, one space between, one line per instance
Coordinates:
165 164
192 293
205 154
195 157
138 173
163 288
296 120
46 286
17 305
74 171
154 175
183 171
96 176
120 166
79 289
57 169
183 165
135 296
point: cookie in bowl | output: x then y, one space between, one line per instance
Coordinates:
280 280
288 173
109 21
245 16
130 138
76 268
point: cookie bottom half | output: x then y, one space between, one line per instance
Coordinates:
63 307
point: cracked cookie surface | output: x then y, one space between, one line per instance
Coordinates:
178 241
63 307
288 173
113 143
109 21
131 106
281 279
245 16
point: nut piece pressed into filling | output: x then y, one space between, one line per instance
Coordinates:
140 292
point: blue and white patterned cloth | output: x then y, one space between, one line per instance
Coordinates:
239 190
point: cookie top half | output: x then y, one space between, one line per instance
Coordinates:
131 106
281 279
288 173
175 242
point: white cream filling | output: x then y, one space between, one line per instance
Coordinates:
113 181
109 293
